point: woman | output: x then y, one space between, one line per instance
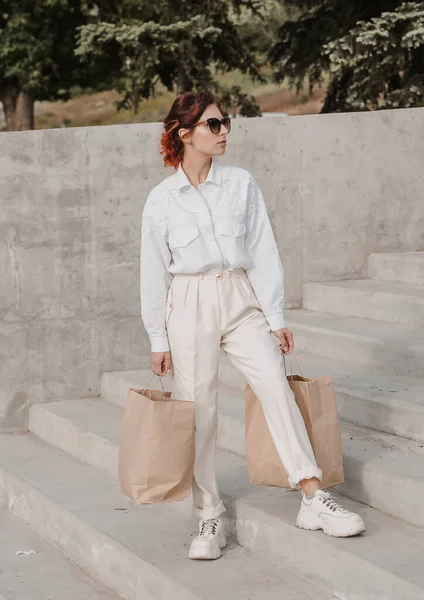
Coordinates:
211 278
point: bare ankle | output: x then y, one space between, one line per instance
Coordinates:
310 486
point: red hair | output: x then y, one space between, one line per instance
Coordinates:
185 111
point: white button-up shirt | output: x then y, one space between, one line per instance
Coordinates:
223 224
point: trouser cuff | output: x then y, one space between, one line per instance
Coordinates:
295 478
209 513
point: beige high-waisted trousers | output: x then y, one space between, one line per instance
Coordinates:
218 309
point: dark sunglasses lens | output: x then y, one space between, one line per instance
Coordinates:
214 125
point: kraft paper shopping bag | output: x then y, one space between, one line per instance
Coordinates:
316 401
156 452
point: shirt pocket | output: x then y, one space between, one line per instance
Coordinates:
230 229
230 237
182 234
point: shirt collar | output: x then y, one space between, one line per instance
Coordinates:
180 179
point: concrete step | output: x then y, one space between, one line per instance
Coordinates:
45 575
140 551
372 458
390 346
262 519
403 267
365 395
380 470
362 567
377 300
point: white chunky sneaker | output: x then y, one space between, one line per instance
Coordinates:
207 545
323 512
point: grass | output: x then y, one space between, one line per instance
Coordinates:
99 108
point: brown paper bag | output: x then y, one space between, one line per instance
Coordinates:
317 403
156 452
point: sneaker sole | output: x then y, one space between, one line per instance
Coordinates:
354 529
202 553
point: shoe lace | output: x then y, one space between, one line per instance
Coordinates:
329 501
209 527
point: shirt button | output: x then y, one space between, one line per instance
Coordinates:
219 275
170 305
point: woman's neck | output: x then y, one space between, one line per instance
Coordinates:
197 169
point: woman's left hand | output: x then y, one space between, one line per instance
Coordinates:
286 339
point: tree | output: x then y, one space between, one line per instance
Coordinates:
181 44
260 30
371 51
37 59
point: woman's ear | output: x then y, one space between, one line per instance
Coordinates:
184 135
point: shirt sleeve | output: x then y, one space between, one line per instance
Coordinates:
155 279
266 271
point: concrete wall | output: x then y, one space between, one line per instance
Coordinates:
337 187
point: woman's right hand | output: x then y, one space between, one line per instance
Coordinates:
161 363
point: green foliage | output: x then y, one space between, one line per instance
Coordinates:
53 49
175 43
37 40
259 31
373 52
385 57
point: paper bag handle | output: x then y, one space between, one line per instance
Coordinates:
292 358
148 386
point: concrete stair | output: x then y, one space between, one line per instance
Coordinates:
377 321
371 333
377 300
366 396
61 478
403 267
396 348
98 527
382 470
138 552
45 575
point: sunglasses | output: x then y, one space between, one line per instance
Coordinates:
215 124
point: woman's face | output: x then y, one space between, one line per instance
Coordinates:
202 139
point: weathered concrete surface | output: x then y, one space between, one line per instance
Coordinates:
141 551
45 575
368 299
395 347
381 470
337 187
406 267
71 204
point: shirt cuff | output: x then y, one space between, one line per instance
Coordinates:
159 344
276 321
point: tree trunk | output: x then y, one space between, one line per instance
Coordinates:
18 110
9 103
335 100
184 83
24 111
